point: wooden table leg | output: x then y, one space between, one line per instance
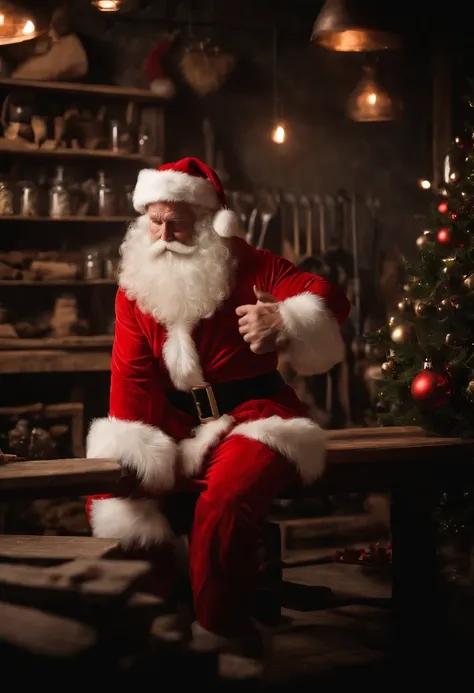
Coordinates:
269 594
418 613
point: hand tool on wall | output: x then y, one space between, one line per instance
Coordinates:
290 199
268 210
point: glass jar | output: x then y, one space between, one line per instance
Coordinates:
105 197
128 202
6 199
59 203
29 202
144 144
92 265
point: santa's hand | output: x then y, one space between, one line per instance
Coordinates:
260 324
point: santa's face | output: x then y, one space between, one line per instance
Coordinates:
171 226
175 265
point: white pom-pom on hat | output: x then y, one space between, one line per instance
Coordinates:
226 223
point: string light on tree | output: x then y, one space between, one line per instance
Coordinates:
443 207
424 184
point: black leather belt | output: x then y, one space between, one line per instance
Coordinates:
207 402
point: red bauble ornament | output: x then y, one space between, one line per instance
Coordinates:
443 207
431 390
445 236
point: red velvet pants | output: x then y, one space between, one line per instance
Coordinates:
242 477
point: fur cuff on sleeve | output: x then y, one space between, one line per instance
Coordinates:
146 450
315 340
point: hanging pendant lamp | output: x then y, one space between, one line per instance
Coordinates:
15 25
340 27
107 5
369 102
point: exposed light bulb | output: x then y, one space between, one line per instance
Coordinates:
372 98
2 19
425 184
29 28
279 134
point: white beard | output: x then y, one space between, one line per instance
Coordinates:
182 285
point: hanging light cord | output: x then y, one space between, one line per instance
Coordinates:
276 113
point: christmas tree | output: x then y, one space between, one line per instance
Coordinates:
428 375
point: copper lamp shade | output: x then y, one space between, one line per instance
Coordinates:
369 102
15 25
339 28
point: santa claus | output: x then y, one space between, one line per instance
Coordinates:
196 400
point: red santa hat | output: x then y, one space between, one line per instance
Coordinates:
154 72
188 180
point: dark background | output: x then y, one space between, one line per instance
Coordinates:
325 150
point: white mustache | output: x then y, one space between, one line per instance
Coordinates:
158 248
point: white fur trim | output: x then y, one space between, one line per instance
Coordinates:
145 449
134 522
194 450
226 223
173 186
163 87
181 358
316 343
300 440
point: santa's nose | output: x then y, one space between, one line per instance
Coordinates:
167 231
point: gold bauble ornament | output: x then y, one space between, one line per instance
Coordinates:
470 390
389 368
401 334
423 309
424 240
453 339
469 281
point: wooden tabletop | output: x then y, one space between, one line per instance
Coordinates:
357 459
383 459
53 478
403 444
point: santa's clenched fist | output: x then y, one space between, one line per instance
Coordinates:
261 324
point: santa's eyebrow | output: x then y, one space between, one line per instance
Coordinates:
177 217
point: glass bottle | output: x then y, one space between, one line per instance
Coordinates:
59 204
128 209
144 144
92 265
43 193
105 197
28 200
6 199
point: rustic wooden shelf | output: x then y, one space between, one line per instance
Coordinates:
102 90
88 342
58 282
68 220
72 410
16 361
77 154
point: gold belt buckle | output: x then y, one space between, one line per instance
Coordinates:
212 403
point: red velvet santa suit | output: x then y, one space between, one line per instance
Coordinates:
240 461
